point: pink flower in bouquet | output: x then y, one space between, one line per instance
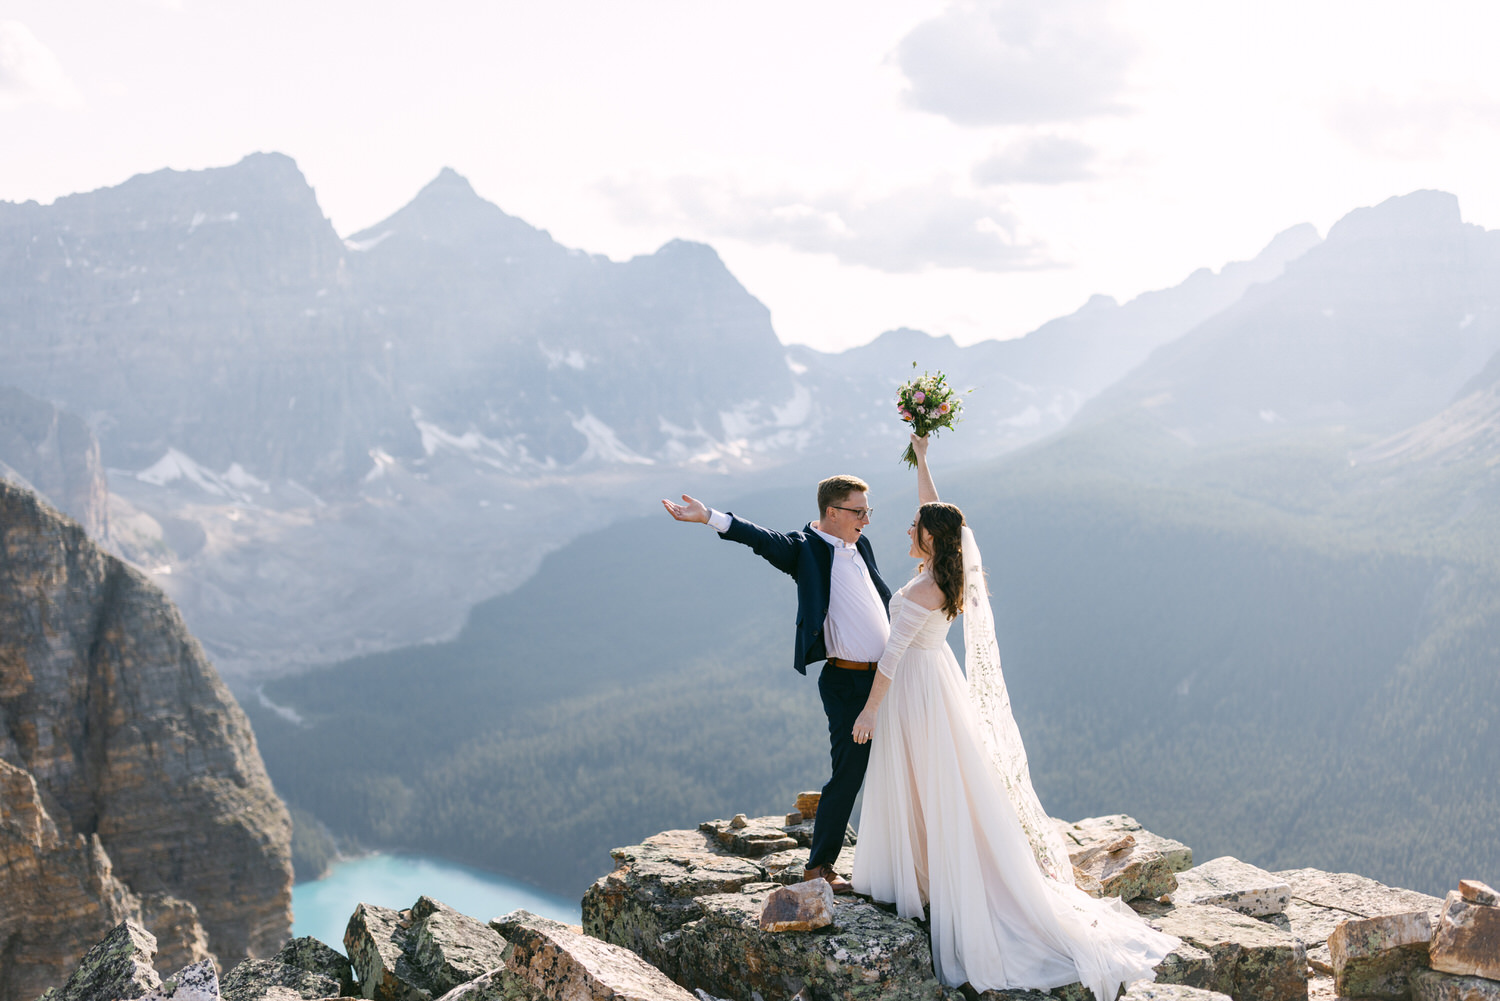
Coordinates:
920 397
943 409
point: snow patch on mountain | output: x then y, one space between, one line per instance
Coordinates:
604 445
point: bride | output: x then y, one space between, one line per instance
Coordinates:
950 819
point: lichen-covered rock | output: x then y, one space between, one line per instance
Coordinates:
274 980
1187 966
1374 957
1252 961
802 907
1092 831
1239 886
552 961
787 868
1434 985
195 982
1467 940
867 953
450 948
118 967
376 942
310 954
1321 901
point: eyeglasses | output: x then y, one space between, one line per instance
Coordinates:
862 513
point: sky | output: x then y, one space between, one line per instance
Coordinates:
970 168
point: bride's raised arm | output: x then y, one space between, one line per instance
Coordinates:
926 490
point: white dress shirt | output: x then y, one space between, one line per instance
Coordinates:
856 627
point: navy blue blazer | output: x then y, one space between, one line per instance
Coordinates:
808 558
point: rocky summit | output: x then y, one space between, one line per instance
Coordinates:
716 914
131 788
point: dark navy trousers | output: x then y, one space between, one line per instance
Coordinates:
844 695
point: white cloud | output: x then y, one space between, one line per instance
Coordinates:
29 71
1038 160
1004 62
899 232
1409 128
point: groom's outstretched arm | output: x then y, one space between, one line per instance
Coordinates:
773 547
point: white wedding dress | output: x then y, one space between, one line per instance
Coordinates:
950 820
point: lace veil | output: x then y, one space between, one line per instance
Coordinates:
1001 737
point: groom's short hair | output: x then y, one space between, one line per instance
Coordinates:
836 489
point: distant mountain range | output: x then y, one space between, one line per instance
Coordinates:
397 425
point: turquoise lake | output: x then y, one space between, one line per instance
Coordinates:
322 908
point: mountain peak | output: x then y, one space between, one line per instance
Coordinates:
451 183
1421 213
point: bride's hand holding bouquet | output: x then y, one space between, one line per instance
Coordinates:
929 405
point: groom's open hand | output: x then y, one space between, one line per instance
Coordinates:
689 510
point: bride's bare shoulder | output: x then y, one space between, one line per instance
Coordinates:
925 592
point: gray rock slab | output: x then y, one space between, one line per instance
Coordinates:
376 942
1321 901
448 947
750 839
315 956
273 980
1132 873
1239 886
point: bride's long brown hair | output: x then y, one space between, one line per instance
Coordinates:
944 525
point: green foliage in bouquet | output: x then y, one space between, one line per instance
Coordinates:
929 405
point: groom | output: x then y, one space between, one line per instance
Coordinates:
841 619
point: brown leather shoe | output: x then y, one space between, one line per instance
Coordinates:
839 883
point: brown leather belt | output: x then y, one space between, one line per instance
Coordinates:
852 665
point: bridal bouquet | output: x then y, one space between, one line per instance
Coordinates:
929 405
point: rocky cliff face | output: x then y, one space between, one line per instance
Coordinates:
54 453
132 786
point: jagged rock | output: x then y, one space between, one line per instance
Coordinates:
1239 886
1130 872
807 804
1476 892
119 966
1252 961
803 907
450 948
1321 901
128 733
376 942
1467 940
1092 831
195 982
310 954
1186 966
274 980
420 953
751 839
1433 985
559 963
1374 957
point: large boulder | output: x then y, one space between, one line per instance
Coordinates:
314 956
1092 831
195 982
1467 940
1433 985
1374 957
273 980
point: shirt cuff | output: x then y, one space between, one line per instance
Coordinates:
718 521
